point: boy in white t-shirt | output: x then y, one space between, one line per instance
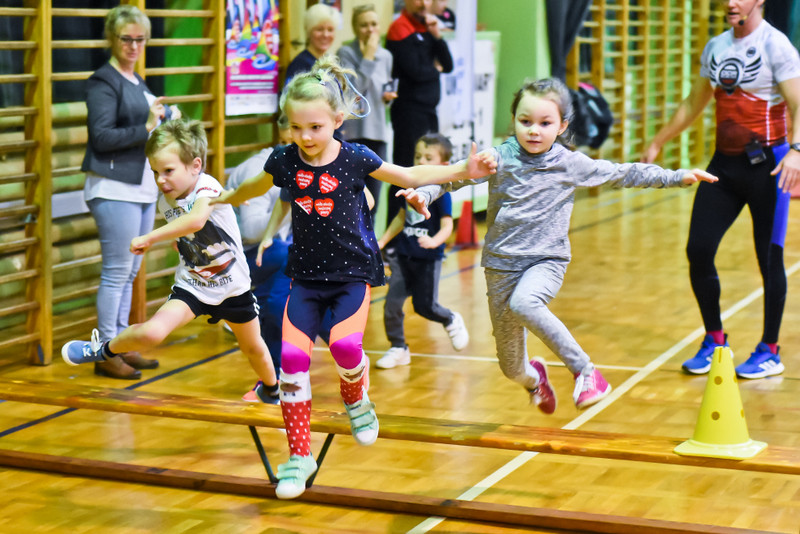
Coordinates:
212 277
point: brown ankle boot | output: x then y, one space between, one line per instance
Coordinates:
116 368
137 361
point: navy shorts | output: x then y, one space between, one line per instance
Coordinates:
238 310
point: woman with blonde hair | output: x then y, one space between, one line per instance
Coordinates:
320 22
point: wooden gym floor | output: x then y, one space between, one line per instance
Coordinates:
627 300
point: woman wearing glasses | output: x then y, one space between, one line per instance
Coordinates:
120 190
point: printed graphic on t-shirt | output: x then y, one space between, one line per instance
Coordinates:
209 254
733 71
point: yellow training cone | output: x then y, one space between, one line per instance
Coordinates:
721 431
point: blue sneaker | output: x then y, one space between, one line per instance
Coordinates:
700 364
760 364
78 352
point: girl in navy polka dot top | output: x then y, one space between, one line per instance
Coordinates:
334 260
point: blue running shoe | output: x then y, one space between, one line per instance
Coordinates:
760 364
78 352
700 364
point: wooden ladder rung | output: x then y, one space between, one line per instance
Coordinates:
19 244
21 275
19 308
18 178
17 146
19 340
17 211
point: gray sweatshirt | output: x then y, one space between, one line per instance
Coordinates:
531 198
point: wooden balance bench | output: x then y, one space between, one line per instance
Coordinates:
783 460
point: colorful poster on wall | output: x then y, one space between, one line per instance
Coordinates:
251 61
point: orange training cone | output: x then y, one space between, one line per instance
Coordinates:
467 230
721 431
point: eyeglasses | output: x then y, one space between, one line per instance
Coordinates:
128 41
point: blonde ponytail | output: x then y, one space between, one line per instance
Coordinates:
328 80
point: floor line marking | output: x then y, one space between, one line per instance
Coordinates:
521 459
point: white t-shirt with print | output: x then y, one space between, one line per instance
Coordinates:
213 266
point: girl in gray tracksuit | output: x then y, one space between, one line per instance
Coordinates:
527 249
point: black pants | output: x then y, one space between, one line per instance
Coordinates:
716 207
410 122
373 184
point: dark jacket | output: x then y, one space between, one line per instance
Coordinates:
118 113
414 50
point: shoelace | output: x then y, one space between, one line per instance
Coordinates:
583 384
94 344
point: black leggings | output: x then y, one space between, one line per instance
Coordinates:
716 207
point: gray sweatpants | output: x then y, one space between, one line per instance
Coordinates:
518 300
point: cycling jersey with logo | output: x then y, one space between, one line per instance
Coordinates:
745 74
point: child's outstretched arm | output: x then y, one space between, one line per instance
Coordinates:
698 175
279 213
394 228
250 188
476 166
186 224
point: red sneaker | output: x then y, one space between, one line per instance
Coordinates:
543 395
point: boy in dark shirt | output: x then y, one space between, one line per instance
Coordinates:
419 250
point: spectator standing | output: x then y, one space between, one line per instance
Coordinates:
373 67
420 55
320 22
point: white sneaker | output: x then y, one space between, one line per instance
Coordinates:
393 357
457 331
363 420
292 476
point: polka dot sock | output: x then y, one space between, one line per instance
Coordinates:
296 418
352 391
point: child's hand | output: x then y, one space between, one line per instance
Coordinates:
479 165
139 245
264 245
223 198
697 175
416 201
426 241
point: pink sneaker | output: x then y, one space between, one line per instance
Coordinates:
543 396
590 387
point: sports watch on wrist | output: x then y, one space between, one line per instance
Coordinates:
795 146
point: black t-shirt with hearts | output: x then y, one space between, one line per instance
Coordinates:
333 235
